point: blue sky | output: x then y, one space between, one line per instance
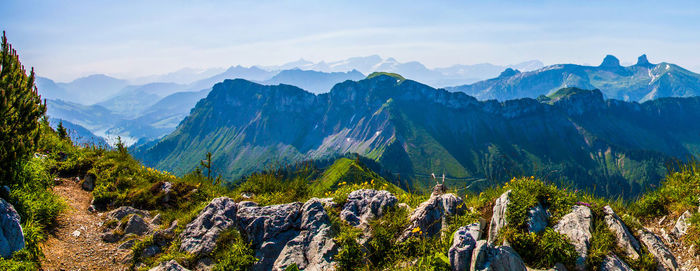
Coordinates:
67 39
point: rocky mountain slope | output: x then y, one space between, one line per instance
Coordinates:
414 130
640 82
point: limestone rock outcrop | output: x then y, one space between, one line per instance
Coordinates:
11 234
577 226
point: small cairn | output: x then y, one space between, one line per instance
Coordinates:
440 187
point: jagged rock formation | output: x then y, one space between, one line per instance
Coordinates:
123 211
498 220
463 244
281 235
136 225
366 204
314 246
130 223
623 238
431 216
199 236
614 263
681 226
663 256
11 235
501 258
172 265
300 233
577 225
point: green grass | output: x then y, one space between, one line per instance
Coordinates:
348 171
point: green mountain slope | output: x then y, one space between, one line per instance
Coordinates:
640 82
346 171
412 130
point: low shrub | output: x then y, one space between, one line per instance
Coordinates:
232 253
541 250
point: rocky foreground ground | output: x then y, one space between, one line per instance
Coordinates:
301 233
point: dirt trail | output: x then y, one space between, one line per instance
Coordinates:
75 243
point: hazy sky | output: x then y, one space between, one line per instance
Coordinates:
67 39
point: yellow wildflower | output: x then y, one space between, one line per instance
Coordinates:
415 230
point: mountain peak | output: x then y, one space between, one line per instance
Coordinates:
610 61
388 74
576 101
508 73
643 61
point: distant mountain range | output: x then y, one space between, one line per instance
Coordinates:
84 90
137 109
412 130
313 81
640 82
437 77
149 111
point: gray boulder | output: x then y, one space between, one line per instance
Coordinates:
537 219
682 224
624 239
199 236
500 258
280 235
577 226
89 182
612 263
664 257
313 248
172 265
504 258
328 203
269 229
11 235
150 251
498 220
137 225
463 244
480 256
124 211
431 216
366 204
111 237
